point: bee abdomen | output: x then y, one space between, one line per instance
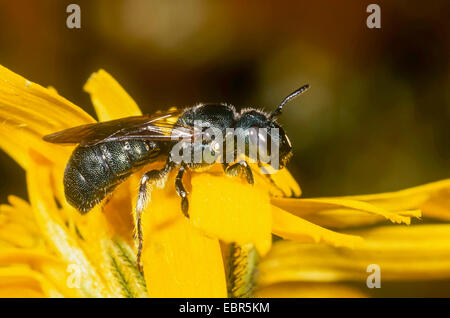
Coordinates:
93 172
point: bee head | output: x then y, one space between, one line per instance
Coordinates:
262 131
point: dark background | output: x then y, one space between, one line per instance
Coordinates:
375 119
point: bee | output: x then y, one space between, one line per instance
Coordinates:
109 152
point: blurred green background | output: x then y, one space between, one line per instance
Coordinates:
375 119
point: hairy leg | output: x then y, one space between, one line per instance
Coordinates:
150 177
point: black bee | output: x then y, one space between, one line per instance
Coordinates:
109 152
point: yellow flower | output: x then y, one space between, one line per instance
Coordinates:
47 248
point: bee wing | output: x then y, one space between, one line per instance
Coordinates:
147 127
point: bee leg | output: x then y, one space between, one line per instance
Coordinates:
181 191
237 168
152 176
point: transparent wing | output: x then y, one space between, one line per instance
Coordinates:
147 127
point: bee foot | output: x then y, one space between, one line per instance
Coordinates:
185 206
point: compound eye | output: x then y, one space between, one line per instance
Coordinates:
208 134
259 137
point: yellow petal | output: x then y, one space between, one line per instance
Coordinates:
29 111
19 143
19 229
17 225
110 100
57 235
178 260
281 184
284 179
231 209
118 212
419 252
433 199
42 263
295 228
16 235
23 282
35 105
90 242
342 212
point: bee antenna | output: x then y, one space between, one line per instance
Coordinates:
292 95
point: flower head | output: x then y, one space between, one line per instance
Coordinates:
47 248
